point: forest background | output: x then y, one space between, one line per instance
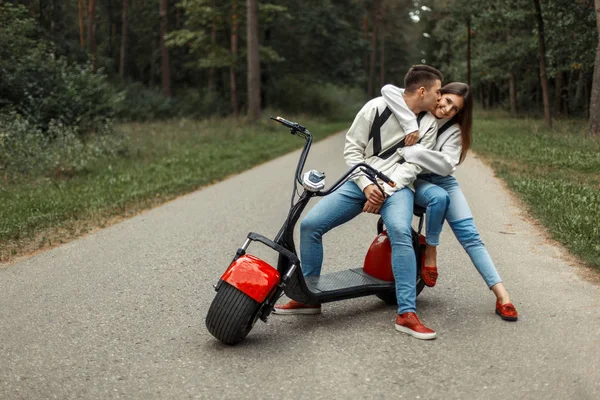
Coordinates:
109 107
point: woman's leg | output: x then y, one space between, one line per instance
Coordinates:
339 207
461 221
435 200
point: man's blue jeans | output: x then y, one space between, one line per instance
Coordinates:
346 203
443 199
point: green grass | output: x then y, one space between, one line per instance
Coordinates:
556 173
164 160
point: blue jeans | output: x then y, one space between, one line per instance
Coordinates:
432 192
346 203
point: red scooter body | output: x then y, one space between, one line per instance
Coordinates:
378 261
252 276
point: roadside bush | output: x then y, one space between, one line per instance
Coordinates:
144 104
27 152
293 95
141 103
43 87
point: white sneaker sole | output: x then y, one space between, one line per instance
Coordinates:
422 336
298 311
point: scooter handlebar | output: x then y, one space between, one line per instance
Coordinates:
292 125
385 178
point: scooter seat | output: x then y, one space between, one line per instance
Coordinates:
418 210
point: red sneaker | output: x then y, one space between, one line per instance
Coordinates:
293 307
409 323
507 311
428 273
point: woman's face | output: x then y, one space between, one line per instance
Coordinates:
449 105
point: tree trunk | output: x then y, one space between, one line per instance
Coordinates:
559 83
123 40
213 41
595 95
253 61
482 95
586 98
382 62
92 31
579 88
164 51
469 51
265 72
152 69
542 55
512 88
366 37
376 16
81 29
234 54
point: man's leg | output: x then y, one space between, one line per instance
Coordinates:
333 210
397 213
339 207
397 216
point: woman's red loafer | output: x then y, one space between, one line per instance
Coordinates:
507 311
429 273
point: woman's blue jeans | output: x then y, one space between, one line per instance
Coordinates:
346 203
443 199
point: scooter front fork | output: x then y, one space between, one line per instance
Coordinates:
269 303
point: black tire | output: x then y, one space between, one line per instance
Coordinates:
231 315
390 297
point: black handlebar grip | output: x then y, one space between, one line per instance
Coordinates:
289 124
386 179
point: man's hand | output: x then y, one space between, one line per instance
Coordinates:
374 199
372 208
374 195
411 138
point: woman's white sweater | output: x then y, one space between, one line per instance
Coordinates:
445 155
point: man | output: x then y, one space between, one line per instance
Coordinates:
372 139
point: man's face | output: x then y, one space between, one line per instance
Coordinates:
432 96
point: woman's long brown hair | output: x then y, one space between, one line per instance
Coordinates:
464 118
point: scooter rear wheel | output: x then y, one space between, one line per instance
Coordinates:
232 315
390 297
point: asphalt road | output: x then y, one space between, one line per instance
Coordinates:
120 313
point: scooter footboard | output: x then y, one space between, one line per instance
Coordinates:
253 276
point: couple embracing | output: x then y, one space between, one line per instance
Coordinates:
435 123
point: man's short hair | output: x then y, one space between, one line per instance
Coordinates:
421 75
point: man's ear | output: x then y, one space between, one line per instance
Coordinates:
421 91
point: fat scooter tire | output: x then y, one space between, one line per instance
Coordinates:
390 297
232 315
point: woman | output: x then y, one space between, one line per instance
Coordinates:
439 192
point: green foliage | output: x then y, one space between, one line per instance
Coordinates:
294 95
145 104
504 39
47 89
28 153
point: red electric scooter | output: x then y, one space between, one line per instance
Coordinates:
250 287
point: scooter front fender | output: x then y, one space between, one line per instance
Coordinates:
252 276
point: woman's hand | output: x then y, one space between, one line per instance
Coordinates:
411 138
